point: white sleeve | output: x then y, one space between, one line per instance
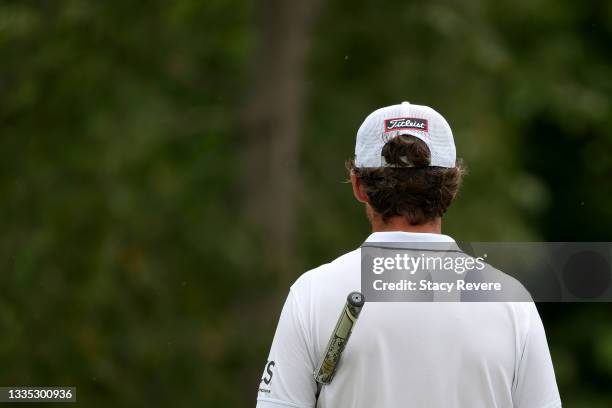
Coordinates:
535 385
287 379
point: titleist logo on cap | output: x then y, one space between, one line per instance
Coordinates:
405 123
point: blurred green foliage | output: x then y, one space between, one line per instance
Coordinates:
128 269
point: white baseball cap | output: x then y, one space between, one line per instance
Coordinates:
404 119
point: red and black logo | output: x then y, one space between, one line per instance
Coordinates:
405 123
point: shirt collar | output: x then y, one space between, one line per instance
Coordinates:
403 236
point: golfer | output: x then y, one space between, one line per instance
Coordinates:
406 354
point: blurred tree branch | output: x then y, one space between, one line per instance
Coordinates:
272 122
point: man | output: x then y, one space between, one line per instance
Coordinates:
406 354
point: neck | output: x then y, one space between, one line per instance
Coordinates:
401 224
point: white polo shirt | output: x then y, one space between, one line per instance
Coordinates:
407 354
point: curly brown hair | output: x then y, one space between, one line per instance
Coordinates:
409 187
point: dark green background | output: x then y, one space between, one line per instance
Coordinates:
131 264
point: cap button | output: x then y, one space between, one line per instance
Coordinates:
405 103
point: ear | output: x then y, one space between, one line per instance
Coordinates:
357 189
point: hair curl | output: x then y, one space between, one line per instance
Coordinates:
409 187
